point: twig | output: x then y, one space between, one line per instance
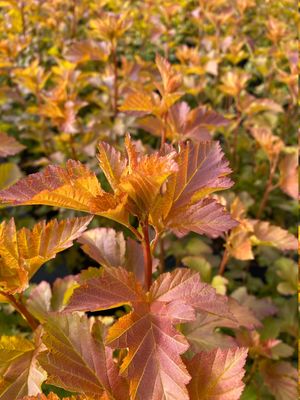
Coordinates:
33 323
224 261
164 131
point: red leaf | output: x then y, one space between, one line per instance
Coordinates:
217 375
77 359
153 364
9 146
280 378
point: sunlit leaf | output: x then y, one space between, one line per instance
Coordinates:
148 331
217 375
22 252
82 341
20 373
202 171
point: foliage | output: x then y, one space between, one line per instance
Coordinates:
173 125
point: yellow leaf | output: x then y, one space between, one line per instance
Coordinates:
23 252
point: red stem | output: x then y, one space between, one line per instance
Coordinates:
224 262
147 255
33 323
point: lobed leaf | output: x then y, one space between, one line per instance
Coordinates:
20 373
270 235
77 359
23 252
138 178
217 375
71 187
153 364
171 79
202 171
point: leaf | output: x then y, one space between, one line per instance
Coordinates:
9 145
184 123
44 300
53 396
86 50
9 174
203 333
77 359
251 105
20 373
71 187
261 307
109 248
139 177
289 175
271 144
217 375
280 378
287 270
153 364
112 164
171 79
234 81
23 252
205 217
143 184
200 264
104 245
139 103
202 171
74 186
116 286
266 234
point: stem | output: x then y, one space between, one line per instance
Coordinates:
33 323
116 88
269 188
73 149
74 20
164 131
135 232
224 261
147 255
